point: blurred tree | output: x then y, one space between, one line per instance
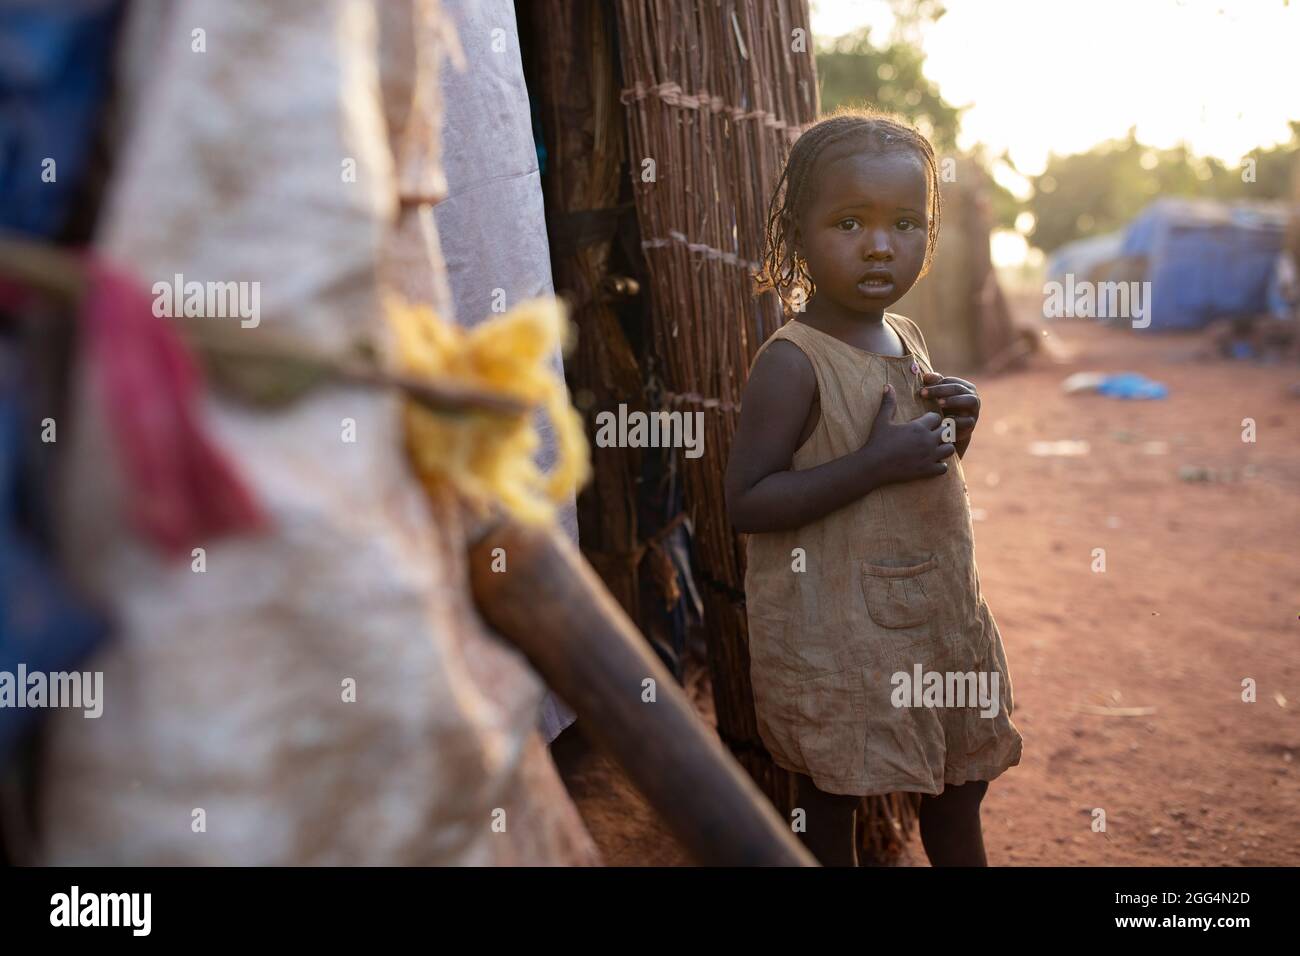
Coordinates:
1080 195
1005 207
1090 193
912 16
852 71
1273 170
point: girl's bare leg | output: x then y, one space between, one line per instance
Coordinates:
829 819
950 825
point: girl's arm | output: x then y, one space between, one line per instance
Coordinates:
763 494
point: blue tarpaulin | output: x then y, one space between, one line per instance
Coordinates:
1206 260
1081 257
54 76
45 628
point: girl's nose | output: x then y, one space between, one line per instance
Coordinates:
878 246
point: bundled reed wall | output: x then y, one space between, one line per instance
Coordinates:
576 85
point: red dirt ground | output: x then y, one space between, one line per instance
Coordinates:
1201 590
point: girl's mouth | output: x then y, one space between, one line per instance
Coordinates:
876 286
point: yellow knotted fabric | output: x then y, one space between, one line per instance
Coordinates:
489 456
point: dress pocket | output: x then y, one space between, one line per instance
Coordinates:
900 596
831 730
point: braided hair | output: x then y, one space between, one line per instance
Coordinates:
783 267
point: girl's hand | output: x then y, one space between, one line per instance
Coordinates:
956 399
905 451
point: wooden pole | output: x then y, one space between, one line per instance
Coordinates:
550 604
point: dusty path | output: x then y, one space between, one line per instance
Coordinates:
1201 589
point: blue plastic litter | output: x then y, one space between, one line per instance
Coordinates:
1131 385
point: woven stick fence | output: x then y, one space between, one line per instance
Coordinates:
715 94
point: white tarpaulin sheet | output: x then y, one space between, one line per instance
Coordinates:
227 736
492 225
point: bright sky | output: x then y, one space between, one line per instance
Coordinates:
1063 75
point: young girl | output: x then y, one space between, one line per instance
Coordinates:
845 471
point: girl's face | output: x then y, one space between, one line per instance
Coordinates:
864 233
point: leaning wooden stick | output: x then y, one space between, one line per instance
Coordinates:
550 604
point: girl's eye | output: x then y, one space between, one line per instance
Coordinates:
907 225
843 221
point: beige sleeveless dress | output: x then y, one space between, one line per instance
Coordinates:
882 586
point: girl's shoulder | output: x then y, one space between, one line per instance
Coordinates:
911 332
785 333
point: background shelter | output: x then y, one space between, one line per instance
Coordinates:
1206 259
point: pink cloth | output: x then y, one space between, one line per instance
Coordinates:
183 490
